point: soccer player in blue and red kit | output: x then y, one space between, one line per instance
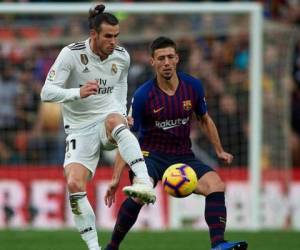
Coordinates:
162 111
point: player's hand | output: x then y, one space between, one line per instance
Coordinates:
130 121
225 157
89 88
110 195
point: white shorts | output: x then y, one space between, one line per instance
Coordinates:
83 145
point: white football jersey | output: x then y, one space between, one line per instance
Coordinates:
75 65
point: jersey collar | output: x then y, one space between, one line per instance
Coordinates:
91 53
89 50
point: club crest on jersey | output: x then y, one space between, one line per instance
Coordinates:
187 105
114 69
84 59
51 75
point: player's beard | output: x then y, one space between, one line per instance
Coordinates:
104 51
109 51
167 77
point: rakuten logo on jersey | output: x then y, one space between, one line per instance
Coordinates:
168 124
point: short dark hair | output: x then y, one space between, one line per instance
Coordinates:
162 42
97 16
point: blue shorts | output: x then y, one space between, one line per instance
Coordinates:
157 163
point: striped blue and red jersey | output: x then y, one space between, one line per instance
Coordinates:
164 121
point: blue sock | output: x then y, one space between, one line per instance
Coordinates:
127 216
215 216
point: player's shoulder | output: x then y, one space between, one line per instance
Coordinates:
70 51
143 90
120 49
191 81
122 53
188 79
77 46
73 49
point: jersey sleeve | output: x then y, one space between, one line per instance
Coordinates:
121 87
54 88
201 106
136 111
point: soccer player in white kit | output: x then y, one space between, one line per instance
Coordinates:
89 78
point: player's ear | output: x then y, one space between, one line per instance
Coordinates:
151 61
93 33
177 58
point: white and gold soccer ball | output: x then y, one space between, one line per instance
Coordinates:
179 180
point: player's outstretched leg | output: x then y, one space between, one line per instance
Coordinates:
237 245
127 216
131 153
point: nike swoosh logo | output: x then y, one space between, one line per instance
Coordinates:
158 110
174 126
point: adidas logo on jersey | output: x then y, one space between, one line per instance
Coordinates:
86 70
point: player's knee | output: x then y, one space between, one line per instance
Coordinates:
113 120
210 183
216 186
75 185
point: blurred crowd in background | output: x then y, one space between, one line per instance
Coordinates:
213 48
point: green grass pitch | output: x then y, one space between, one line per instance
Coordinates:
145 240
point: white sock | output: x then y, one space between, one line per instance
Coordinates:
85 219
131 152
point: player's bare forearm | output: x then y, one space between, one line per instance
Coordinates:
208 125
119 166
116 176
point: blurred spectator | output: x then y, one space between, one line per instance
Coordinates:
295 120
37 139
232 129
8 118
45 143
294 17
28 100
296 64
295 102
139 70
9 92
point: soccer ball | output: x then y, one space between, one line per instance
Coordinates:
179 180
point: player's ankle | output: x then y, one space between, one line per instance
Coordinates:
95 248
93 245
